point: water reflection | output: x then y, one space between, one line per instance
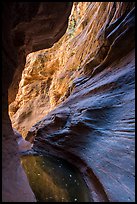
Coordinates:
54 180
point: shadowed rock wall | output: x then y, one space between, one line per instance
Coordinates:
26 27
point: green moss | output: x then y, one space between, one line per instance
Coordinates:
71 26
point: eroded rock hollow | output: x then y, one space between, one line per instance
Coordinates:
75 97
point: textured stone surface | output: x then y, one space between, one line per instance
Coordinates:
94 128
49 75
26 27
41 25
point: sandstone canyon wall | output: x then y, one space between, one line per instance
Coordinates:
49 75
81 94
86 80
26 27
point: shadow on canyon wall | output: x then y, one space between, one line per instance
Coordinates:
93 127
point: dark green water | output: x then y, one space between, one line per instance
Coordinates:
54 180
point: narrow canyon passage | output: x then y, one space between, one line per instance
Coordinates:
68 112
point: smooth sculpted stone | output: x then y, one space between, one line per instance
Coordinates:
97 34
87 86
23 145
98 136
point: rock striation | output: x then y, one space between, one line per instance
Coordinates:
80 93
94 127
49 75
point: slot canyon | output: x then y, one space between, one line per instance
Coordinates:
68 100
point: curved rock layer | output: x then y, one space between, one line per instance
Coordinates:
26 27
94 127
94 31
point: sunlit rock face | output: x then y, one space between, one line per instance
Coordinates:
49 75
26 27
94 125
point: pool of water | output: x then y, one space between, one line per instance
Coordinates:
54 180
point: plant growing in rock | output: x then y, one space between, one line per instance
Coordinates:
71 26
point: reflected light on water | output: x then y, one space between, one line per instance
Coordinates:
54 180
